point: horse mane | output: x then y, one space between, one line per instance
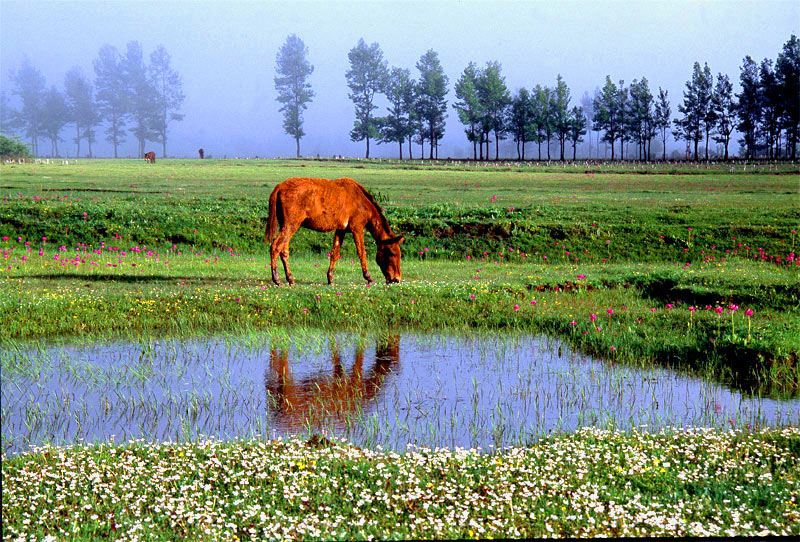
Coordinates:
378 207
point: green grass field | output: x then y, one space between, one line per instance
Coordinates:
690 267
123 248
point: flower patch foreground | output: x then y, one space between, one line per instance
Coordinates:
590 483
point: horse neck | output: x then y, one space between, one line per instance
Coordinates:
377 229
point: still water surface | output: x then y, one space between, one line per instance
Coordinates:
392 390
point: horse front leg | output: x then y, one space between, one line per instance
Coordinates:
336 253
358 236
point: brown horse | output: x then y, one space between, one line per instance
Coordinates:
150 157
324 396
341 205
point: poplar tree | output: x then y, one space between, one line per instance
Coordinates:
640 116
55 115
495 99
662 119
112 96
468 107
397 125
622 112
366 77
748 109
29 86
83 110
562 119
541 108
725 109
294 90
168 92
695 109
771 108
142 95
521 120
431 92
577 128
787 73
607 116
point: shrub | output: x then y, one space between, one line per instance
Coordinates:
13 148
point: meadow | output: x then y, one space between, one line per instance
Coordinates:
685 267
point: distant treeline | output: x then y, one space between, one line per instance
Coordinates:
765 112
127 94
145 98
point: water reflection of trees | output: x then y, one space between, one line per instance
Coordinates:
336 395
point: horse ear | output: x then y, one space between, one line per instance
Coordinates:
394 240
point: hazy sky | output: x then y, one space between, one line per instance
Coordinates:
225 52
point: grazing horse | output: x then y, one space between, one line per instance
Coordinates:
324 396
150 157
341 205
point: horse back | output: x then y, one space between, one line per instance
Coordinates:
324 204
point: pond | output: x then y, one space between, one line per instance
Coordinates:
433 390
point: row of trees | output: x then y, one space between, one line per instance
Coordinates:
416 109
127 95
765 112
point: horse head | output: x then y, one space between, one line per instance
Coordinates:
388 258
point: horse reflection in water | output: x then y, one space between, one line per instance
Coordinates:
338 396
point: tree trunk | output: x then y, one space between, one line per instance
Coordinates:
89 142
367 155
496 145
523 149
410 150
574 149
296 140
707 130
401 149
612 149
474 148
540 149
78 139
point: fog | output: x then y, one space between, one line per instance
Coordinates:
225 53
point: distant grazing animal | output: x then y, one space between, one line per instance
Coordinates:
340 205
201 152
150 157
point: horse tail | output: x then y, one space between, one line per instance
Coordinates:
272 221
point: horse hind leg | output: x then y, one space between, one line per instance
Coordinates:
274 250
280 247
285 260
